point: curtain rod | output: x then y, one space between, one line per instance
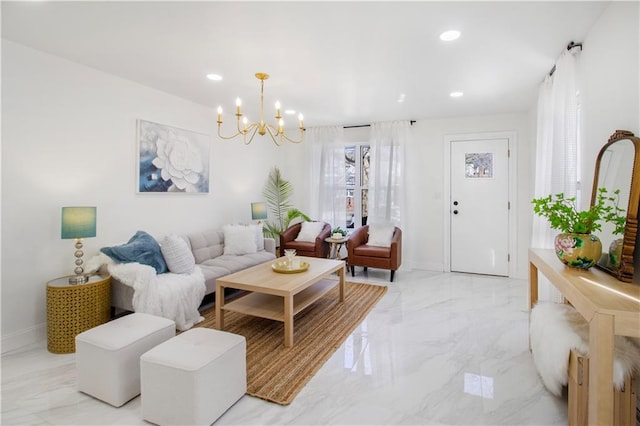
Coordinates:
570 46
368 125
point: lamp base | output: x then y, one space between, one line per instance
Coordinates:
78 279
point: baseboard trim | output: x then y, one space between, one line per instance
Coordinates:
25 337
426 266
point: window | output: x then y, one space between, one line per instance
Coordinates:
357 177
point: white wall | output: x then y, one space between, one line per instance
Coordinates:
69 138
425 170
609 81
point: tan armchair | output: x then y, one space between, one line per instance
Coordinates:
361 254
318 248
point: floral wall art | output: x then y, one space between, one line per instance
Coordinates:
172 159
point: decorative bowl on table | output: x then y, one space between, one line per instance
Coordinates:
284 266
337 236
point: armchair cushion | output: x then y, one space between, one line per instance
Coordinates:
380 235
309 231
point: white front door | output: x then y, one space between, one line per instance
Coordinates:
479 206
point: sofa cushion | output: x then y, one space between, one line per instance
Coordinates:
259 235
309 231
177 254
206 245
141 248
237 263
239 240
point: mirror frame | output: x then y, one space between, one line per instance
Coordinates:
626 270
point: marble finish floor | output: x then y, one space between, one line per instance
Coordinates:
439 348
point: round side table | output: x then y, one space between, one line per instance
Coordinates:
336 244
74 308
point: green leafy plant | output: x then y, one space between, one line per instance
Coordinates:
563 215
616 215
277 192
338 230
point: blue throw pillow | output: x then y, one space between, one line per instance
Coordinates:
141 248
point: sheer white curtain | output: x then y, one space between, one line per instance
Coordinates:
556 147
327 184
386 175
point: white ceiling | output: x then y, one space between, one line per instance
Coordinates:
337 62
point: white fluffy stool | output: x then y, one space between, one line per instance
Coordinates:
193 378
108 356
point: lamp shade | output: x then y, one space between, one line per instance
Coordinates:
78 222
258 211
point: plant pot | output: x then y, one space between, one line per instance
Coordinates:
615 253
580 251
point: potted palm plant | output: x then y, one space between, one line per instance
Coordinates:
277 192
577 246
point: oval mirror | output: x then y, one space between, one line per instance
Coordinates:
617 169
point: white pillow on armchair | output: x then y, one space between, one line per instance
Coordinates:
381 234
309 231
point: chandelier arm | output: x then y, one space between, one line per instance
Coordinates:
240 131
227 137
294 140
255 129
270 130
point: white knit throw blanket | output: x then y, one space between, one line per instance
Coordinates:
173 296
555 329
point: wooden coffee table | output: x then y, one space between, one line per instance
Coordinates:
278 296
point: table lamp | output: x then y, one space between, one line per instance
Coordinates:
78 223
258 211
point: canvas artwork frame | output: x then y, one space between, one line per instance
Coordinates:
172 160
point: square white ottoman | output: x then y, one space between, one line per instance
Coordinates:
193 378
108 356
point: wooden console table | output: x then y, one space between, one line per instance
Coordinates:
611 307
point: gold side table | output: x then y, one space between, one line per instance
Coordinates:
74 308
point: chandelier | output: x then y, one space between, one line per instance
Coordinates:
276 133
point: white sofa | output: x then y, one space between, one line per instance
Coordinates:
208 250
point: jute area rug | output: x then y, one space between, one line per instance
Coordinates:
276 373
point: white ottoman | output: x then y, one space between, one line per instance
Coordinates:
108 356
193 378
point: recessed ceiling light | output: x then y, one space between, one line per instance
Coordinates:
456 94
401 98
214 77
450 35
290 111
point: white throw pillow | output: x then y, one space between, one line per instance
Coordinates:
259 236
309 231
380 235
177 255
239 239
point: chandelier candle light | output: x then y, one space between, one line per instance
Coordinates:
276 133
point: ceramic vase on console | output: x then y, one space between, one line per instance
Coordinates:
580 251
615 253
